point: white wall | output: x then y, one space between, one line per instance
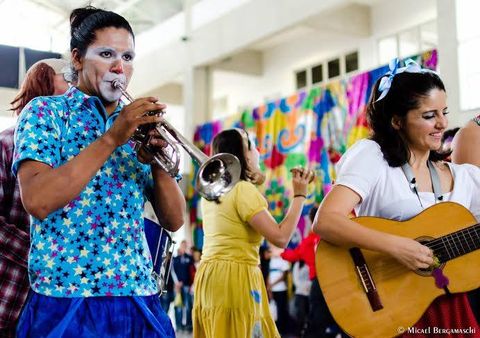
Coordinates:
281 61
6 117
6 121
243 25
6 96
389 17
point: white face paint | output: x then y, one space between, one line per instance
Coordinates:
116 62
110 57
107 91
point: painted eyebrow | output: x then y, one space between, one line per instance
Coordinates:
113 50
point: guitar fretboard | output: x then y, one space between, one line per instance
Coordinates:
456 244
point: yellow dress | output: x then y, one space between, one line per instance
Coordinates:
230 299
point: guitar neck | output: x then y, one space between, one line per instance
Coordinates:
456 244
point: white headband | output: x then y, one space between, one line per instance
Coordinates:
59 66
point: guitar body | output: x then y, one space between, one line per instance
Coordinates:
404 294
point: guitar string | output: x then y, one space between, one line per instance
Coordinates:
462 244
439 243
450 237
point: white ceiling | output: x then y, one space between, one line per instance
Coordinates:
349 19
142 14
44 24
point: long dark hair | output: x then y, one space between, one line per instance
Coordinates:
233 142
404 95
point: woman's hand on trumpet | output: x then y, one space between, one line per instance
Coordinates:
131 117
155 144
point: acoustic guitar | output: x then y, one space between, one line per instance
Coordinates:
371 294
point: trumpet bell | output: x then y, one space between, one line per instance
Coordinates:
217 176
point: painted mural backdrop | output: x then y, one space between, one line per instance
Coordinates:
309 128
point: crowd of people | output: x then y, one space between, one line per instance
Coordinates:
44 78
73 254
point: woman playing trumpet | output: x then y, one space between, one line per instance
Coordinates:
85 187
230 295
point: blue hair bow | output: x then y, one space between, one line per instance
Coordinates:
386 81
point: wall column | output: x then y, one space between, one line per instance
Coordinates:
448 57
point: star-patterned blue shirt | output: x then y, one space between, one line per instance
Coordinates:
95 245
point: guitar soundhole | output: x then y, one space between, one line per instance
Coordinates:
428 271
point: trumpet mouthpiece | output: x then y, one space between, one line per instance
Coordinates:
116 83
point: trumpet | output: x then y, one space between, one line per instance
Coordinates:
216 175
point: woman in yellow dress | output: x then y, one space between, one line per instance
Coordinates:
230 296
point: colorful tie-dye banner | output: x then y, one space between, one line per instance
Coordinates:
309 128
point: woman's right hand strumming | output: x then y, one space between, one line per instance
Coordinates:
411 253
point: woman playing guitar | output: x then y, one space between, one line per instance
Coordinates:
396 174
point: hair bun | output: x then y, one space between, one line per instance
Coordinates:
78 15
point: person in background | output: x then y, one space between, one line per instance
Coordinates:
45 77
85 186
303 284
319 318
197 256
466 142
182 267
447 139
169 295
265 255
277 282
407 112
447 142
464 148
230 295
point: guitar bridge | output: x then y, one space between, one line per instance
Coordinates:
363 273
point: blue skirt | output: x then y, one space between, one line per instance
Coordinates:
94 317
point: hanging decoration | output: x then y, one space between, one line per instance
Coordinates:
309 128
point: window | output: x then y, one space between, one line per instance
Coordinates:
333 68
468 51
413 41
351 62
301 77
387 49
320 72
408 42
317 74
469 73
428 36
220 106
